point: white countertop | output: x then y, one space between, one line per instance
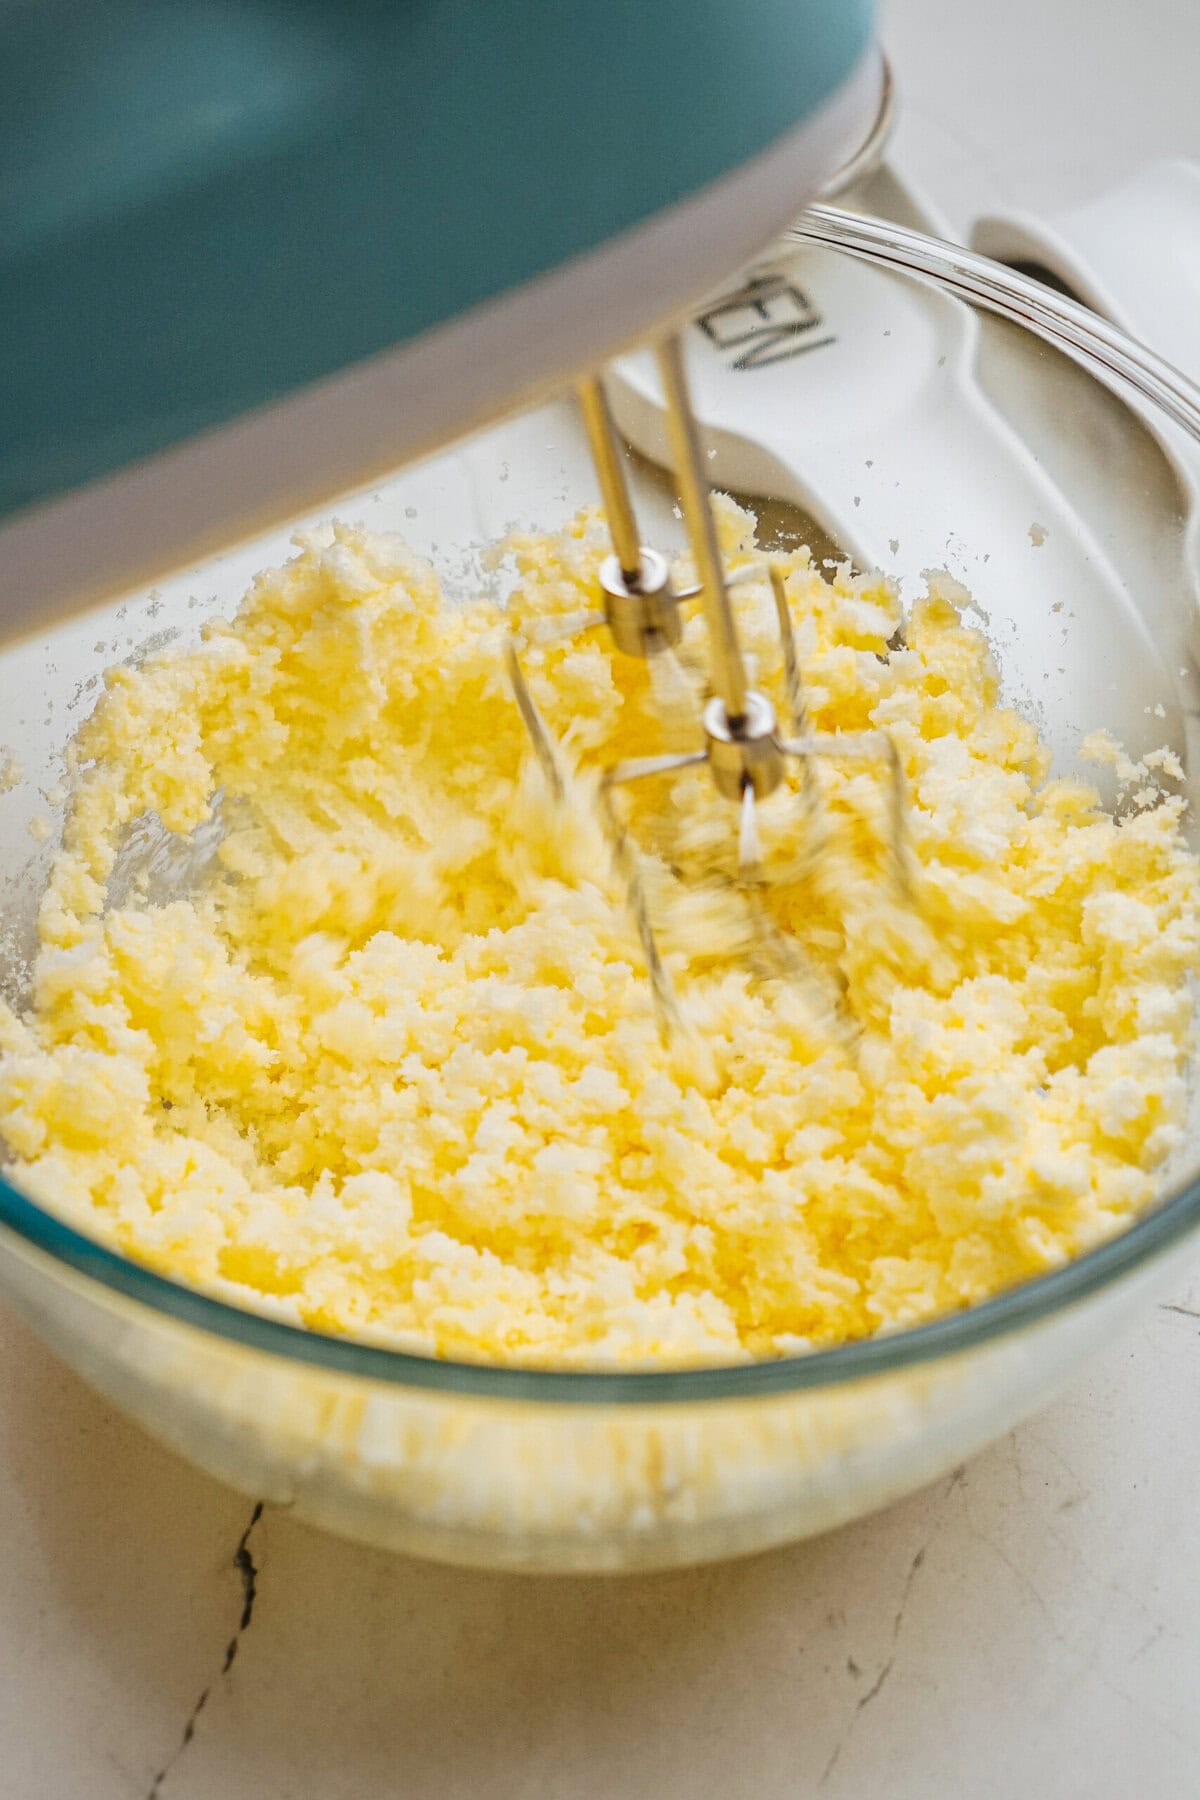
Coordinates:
1028 1626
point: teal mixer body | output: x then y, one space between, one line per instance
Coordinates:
252 252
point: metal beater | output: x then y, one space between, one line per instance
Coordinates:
743 746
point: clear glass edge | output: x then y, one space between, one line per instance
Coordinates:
1087 339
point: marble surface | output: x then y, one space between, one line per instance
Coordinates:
1029 1625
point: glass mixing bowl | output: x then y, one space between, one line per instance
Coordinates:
543 1470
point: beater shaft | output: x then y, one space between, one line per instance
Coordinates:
728 668
641 607
614 489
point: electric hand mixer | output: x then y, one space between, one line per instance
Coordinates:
252 257
255 253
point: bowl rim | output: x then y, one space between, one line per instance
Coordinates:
1106 353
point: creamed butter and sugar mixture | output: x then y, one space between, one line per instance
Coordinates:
387 1064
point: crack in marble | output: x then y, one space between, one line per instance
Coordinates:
886 1667
247 1569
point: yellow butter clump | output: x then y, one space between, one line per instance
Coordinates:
383 1058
